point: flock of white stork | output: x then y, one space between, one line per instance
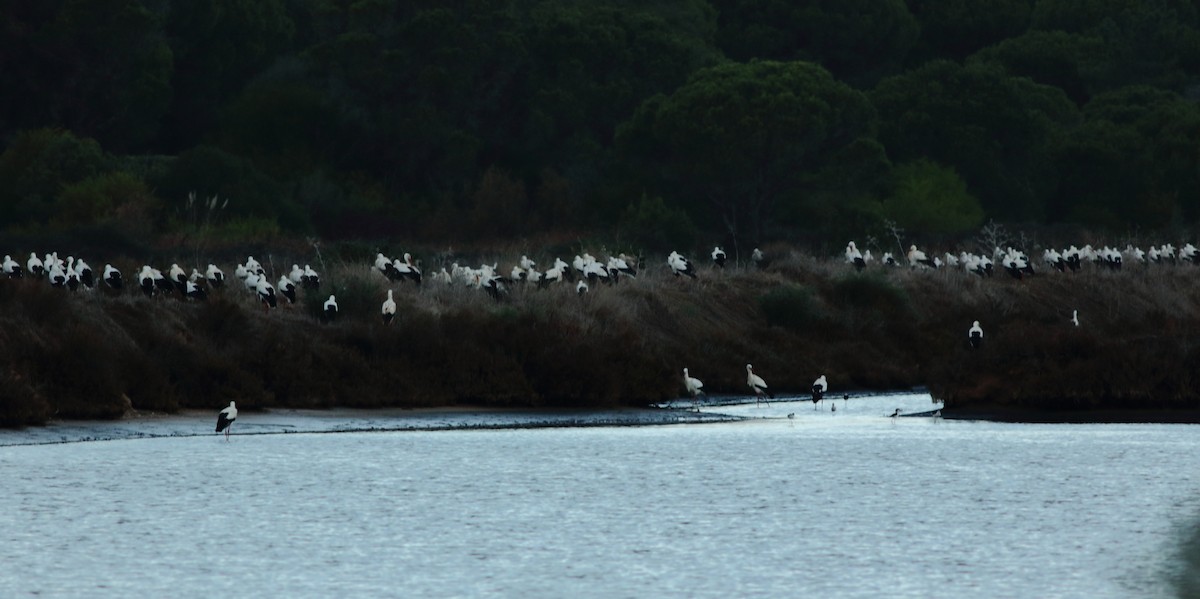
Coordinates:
1018 264
584 271
74 273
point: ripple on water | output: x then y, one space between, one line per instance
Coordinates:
853 507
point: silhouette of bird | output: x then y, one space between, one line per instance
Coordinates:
975 334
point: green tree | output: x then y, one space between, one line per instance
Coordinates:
651 224
208 171
1134 160
929 198
1155 42
739 138
859 41
957 28
219 45
35 167
589 67
115 196
1069 61
100 68
992 128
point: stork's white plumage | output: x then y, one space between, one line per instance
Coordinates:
266 293
194 291
225 419
58 277
389 308
383 264
330 308
253 266
918 258
86 276
718 257
146 280
35 266
819 387
693 385
975 334
310 279
855 257
758 384
215 277
11 269
287 288
680 265
178 277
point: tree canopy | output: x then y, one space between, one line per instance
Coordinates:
745 119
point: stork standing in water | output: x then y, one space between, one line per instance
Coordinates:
225 419
758 384
975 334
819 387
693 386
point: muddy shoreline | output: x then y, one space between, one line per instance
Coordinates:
1000 413
198 423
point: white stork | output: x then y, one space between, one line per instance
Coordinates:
819 387
287 288
389 308
215 277
331 309
35 266
225 419
11 269
718 257
975 334
693 386
758 384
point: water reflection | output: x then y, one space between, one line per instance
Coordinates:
1187 581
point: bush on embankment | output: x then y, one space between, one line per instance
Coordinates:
99 354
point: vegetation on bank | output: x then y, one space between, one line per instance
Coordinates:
99 354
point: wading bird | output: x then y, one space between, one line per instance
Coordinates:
225 419
693 386
758 384
819 387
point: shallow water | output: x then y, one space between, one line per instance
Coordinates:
846 504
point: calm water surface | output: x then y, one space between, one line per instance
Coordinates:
851 504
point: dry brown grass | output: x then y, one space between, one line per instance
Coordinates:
98 354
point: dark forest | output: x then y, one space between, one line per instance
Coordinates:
660 124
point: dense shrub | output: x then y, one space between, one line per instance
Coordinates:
790 306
